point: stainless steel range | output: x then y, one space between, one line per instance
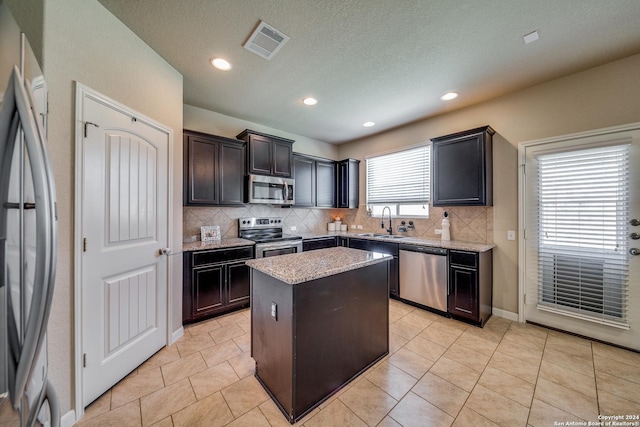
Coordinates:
269 237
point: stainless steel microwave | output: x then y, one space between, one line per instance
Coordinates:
270 190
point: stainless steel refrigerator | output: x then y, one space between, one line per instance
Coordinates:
27 235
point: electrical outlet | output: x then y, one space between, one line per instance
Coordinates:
438 231
353 226
274 311
294 228
511 235
359 227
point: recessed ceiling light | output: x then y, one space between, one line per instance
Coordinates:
449 96
531 37
309 101
368 124
221 64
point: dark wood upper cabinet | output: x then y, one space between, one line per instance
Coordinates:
304 173
268 154
214 170
462 165
325 184
315 181
232 173
348 183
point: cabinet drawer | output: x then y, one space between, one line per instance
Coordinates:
222 255
466 259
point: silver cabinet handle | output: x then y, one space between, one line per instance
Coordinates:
164 251
634 236
634 222
634 251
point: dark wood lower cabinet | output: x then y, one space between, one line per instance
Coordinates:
385 248
215 282
470 286
319 243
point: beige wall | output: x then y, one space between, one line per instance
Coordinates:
84 42
207 121
600 97
30 14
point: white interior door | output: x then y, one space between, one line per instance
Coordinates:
620 255
124 223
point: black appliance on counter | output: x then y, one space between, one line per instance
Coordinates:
269 237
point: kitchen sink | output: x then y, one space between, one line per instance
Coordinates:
384 236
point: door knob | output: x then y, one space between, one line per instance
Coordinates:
634 236
634 251
634 222
164 251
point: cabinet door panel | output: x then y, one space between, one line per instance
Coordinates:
305 187
260 155
460 169
282 152
201 168
207 290
312 245
232 172
463 168
238 283
463 295
325 184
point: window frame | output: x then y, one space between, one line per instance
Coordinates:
374 208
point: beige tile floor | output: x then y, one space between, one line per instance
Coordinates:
439 372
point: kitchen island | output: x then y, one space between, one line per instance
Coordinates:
318 320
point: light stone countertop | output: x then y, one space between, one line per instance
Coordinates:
216 244
306 266
416 241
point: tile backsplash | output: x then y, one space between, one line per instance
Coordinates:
468 224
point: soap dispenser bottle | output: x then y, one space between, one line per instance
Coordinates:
446 234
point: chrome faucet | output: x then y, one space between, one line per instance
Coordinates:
390 229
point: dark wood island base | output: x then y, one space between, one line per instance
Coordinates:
310 339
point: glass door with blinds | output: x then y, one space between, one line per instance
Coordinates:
579 198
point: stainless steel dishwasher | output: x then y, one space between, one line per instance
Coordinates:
423 276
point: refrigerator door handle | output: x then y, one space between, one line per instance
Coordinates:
46 231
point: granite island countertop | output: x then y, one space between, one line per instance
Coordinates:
408 240
311 265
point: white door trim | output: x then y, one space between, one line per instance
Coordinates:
83 91
522 256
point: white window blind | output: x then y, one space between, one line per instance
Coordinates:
583 210
399 178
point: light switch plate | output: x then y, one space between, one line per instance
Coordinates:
294 228
511 235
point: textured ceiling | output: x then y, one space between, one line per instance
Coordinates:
387 61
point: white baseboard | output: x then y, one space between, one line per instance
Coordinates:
175 335
68 419
509 315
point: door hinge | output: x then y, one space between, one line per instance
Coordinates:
84 360
85 127
84 244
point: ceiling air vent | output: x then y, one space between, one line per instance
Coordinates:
265 41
